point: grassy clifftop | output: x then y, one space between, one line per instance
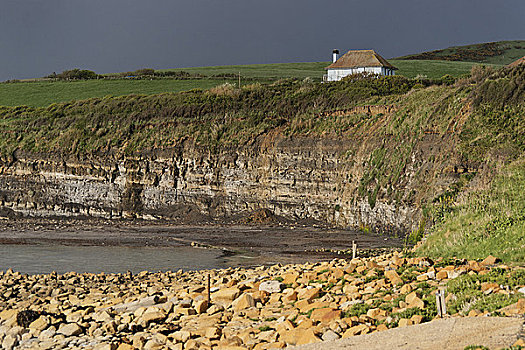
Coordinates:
223 115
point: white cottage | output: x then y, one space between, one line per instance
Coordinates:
358 61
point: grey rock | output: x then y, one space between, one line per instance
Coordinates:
330 335
270 286
10 341
350 303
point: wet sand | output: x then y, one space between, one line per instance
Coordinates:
241 244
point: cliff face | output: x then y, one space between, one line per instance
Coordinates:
319 178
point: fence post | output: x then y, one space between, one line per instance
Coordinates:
440 303
209 293
354 250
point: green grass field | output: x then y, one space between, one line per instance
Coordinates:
432 69
38 94
41 93
264 71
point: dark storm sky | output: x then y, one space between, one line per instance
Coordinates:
38 37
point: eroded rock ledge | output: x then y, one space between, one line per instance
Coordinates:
298 178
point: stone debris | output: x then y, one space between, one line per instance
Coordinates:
250 308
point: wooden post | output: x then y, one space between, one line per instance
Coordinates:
239 80
440 303
209 293
443 303
354 250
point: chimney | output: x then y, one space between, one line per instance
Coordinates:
335 53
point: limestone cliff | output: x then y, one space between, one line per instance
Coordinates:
319 178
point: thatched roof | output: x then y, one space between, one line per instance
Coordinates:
518 62
360 58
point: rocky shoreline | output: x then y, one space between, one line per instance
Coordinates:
250 308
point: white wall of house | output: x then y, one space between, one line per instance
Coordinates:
338 74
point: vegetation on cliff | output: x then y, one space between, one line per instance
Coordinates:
465 130
223 115
489 217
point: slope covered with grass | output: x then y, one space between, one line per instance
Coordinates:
491 221
486 213
432 68
499 52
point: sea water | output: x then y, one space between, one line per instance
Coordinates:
42 259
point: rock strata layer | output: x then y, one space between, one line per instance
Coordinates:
323 179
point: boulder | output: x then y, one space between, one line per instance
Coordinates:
226 295
517 308
151 316
490 260
299 336
181 336
416 302
243 302
393 277
69 329
381 327
325 315
330 335
289 278
309 294
355 330
416 319
455 274
373 313
270 286
485 286
403 322
201 306
212 333
102 316
441 275
124 346
411 297
405 289
9 342
40 323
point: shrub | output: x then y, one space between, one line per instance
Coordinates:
75 74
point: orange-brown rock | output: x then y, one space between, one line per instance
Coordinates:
490 260
393 277
299 336
441 275
485 286
226 295
403 322
309 294
359 329
325 315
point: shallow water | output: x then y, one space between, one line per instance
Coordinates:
38 259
